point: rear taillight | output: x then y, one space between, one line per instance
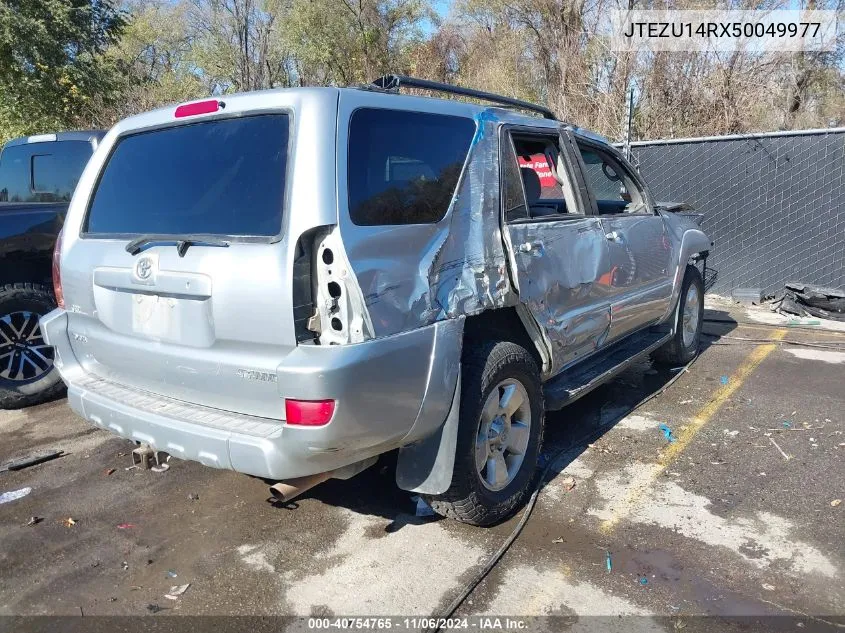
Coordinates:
57 273
309 412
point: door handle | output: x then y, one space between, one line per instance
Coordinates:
530 246
613 236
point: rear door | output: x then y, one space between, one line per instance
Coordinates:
639 278
207 324
559 249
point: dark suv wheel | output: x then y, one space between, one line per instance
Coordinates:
499 437
683 346
27 374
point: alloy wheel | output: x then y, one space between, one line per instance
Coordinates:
504 429
24 355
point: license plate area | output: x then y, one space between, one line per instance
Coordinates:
180 320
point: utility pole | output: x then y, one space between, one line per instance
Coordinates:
629 118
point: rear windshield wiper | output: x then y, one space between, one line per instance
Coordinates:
182 242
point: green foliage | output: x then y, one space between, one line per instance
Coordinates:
52 66
85 63
347 42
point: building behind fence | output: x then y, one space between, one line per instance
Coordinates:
773 203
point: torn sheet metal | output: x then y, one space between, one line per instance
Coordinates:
565 283
414 275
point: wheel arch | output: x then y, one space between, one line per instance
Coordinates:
426 465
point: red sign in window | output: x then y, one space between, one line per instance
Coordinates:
540 165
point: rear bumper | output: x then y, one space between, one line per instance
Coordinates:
389 392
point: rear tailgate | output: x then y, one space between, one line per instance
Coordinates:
212 325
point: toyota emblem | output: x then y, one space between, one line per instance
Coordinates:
144 268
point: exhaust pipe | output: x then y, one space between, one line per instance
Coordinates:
288 490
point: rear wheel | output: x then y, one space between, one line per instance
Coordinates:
683 346
499 437
27 374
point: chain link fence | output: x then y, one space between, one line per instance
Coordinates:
773 203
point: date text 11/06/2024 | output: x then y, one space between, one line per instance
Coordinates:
477 623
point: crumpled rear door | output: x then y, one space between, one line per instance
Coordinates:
561 263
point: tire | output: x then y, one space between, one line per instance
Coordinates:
37 380
682 348
503 367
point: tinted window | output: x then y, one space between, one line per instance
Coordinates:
224 177
404 166
42 172
513 198
613 188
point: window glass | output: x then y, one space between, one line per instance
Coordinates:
221 177
404 166
513 198
56 168
42 172
613 188
15 174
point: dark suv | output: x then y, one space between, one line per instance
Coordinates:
37 177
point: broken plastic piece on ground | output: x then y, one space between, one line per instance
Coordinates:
193 496
786 424
667 432
32 460
125 526
176 591
835 503
643 580
608 562
723 380
161 467
559 539
794 322
125 566
171 573
806 300
12 495
69 522
785 456
423 509
34 520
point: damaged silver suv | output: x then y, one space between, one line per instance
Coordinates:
290 283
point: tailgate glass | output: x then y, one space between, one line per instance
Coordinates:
220 177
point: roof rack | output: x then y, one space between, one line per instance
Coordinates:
394 82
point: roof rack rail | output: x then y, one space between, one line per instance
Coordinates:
394 82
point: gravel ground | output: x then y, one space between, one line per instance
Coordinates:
717 523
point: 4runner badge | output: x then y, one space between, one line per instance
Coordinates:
260 376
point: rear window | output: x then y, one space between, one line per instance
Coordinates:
404 166
42 172
223 177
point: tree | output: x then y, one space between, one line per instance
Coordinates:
156 48
345 42
52 62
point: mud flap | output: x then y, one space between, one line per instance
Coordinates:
426 466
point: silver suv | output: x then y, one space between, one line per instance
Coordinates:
290 283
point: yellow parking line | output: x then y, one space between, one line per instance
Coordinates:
683 439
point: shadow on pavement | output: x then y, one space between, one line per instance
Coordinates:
567 434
